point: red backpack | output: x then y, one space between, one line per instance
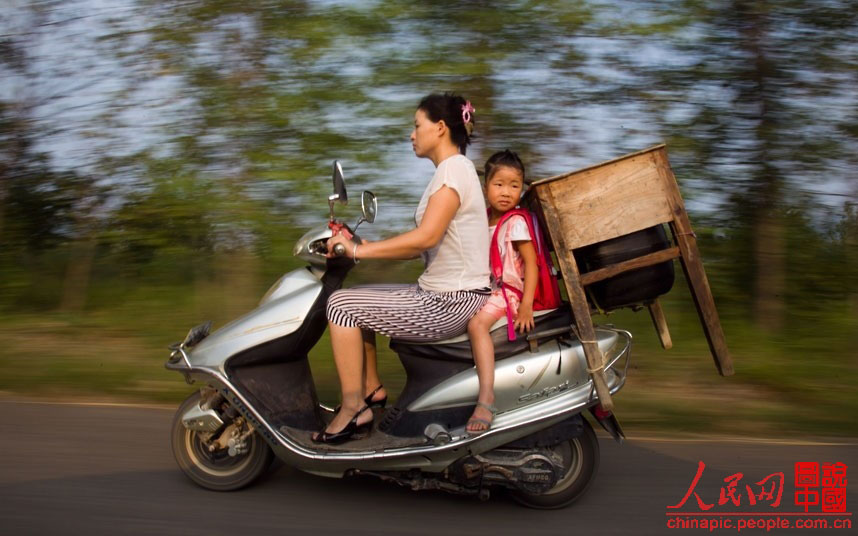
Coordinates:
547 294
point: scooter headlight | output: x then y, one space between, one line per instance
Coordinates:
312 246
301 246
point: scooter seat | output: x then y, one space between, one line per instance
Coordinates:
459 348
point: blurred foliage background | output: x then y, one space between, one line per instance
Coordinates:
158 160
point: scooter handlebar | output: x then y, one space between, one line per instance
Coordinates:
339 250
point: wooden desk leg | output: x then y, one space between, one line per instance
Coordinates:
580 308
692 265
705 303
584 323
660 323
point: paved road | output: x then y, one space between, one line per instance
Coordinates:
72 469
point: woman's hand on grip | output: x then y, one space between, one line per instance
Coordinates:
335 240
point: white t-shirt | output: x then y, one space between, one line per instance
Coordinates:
460 261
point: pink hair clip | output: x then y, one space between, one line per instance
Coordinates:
467 110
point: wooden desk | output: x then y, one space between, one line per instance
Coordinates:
612 199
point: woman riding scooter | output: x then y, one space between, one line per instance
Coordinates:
451 235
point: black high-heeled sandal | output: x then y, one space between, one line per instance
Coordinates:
335 438
369 401
376 403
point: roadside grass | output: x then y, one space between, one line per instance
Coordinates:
802 384
797 385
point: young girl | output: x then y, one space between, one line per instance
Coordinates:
504 179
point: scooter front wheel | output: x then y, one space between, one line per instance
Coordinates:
216 469
580 460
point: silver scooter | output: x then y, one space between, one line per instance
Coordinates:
259 400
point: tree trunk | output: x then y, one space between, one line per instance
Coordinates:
770 280
769 246
78 273
3 195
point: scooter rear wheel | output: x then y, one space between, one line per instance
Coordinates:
216 470
581 460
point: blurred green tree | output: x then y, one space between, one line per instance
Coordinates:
754 102
41 208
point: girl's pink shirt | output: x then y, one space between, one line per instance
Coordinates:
513 230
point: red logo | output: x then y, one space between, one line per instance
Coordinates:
769 489
819 497
828 491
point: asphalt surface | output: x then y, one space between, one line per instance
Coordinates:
80 469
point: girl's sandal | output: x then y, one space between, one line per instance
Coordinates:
493 410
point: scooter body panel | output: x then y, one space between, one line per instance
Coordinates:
275 318
522 380
424 453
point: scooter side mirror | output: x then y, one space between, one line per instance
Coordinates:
368 206
339 194
340 184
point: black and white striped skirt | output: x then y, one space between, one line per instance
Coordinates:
406 311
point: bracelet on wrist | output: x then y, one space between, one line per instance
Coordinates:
354 254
